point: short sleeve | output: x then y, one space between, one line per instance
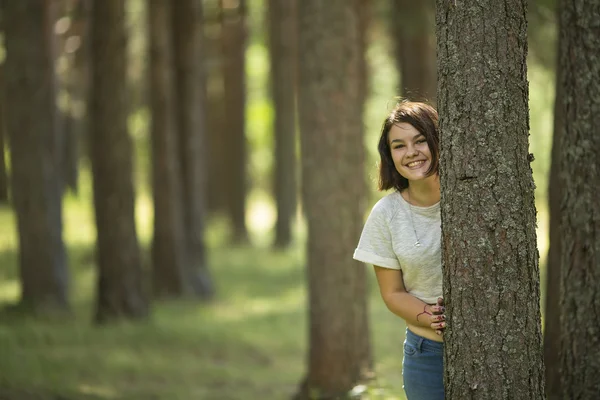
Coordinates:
375 244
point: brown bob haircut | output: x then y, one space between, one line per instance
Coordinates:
423 118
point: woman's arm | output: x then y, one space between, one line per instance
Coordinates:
403 304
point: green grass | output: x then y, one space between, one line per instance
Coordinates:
250 343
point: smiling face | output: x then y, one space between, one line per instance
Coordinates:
409 150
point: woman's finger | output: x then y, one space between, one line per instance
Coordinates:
438 310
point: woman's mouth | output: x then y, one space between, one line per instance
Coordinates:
415 164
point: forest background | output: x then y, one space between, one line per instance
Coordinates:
249 341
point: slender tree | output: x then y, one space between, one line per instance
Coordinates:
3 171
553 264
29 78
282 44
333 193
233 37
190 93
364 9
119 293
168 247
216 139
493 345
75 52
579 69
413 35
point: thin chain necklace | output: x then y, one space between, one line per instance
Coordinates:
418 242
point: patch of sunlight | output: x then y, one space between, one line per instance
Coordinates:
291 300
543 235
95 390
9 291
261 214
144 215
78 222
8 235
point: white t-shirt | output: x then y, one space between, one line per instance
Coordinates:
388 240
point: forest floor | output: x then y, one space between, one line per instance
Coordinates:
249 343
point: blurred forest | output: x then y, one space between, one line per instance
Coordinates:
152 232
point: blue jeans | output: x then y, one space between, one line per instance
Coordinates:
423 368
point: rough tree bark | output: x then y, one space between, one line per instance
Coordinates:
119 292
282 42
580 210
493 346
168 247
234 70
333 195
190 84
414 44
29 79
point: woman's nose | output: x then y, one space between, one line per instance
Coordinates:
412 150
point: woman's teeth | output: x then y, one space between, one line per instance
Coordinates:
415 163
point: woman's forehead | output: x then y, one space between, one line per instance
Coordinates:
403 131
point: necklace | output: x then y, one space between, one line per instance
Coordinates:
418 242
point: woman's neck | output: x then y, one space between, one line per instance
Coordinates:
425 192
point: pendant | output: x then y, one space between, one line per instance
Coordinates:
417 244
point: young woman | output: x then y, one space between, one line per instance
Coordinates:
401 238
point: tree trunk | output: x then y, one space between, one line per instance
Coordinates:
364 20
29 81
493 346
3 172
234 67
76 51
580 211
191 99
80 79
282 41
333 194
215 137
552 303
168 247
414 44
120 293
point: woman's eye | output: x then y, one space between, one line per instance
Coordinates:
398 146
421 141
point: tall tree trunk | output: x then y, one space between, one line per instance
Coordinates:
553 260
81 77
493 346
120 293
29 81
76 52
234 67
190 83
580 211
168 247
333 196
3 172
364 20
414 44
215 105
282 41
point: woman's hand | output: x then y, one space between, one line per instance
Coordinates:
438 317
